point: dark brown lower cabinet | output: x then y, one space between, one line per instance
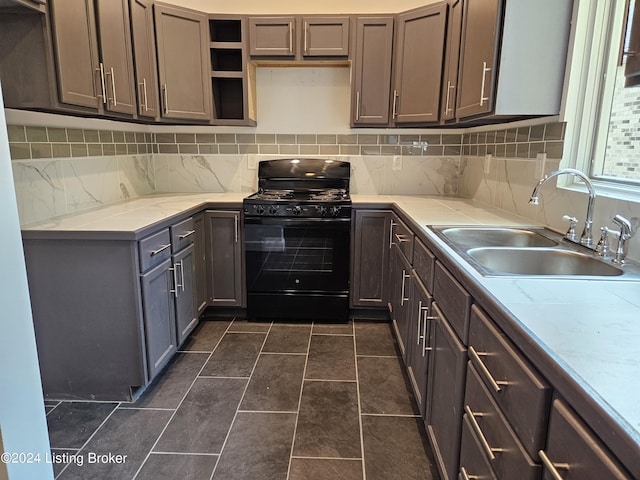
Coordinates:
446 395
225 267
573 452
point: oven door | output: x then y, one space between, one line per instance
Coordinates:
297 267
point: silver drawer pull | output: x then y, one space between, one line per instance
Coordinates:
161 249
475 357
483 440
393 224
186 234
551 467
402 297
174 290
465 476
401 238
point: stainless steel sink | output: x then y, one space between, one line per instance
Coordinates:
469 237
541 261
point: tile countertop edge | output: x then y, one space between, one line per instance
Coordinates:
620 433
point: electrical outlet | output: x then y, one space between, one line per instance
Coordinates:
487 163
397 163
252 162
541 158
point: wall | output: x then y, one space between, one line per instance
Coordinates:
22 416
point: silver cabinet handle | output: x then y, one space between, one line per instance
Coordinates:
165 95
465 476
235 224
485 69
182 275
551 467
449 87
401 238
306 27
402 297
143 94
418 338
186 234
475 358
393 224
174 290
426 318
290 37
483 440
394 109
161 249
357 106
113 87
103 86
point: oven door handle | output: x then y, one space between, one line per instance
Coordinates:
292 222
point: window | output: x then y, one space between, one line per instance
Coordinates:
604 90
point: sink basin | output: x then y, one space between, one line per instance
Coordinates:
469 237
540 261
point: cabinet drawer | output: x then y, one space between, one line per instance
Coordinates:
500 444
424 263
182 234
473 463
154 249
574 452
402 236
453 299
521 393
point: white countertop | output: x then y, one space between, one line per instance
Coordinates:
591 328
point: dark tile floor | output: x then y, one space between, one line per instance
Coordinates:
257 401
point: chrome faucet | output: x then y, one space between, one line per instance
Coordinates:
586 238
624 236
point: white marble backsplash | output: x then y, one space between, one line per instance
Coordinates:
509 183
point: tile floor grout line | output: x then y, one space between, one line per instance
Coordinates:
180 403
52 408
187 453
302 457
92 435
235 416
377 356
147 408
399 415
329 380
299 354
221 377
289 412
62 448
304 373
355 357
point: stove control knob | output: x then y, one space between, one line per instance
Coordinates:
260 209
297 210
273 209
321 210
335 211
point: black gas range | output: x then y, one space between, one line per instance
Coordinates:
297 240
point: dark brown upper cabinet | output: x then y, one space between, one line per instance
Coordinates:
418 58
144 48
272 36
93 54
452 53
507 69
371 71
183 51
325 36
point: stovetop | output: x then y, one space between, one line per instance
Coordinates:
290 203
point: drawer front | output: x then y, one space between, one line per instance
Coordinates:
473 463
523 396
424 263
154 249
402 235
454 301
571 444
499 442
182 234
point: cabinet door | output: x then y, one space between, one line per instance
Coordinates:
447 376
200 262
144 47
450 72
372 71
573 452
272 36
418 55
181 37
225 266
76 52
325 36
117 55
159 316
478 57
420 333
185 296
401 298
369 274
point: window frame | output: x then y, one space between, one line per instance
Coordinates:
593 57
